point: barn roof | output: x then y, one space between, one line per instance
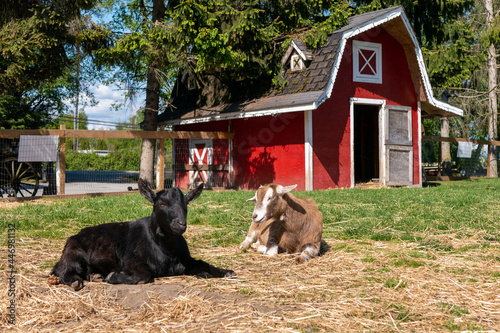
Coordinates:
307 89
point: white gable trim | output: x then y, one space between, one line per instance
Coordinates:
299 51
420 59
345 36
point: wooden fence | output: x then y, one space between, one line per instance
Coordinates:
160 135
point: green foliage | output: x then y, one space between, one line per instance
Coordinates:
124 158
233 39
428 17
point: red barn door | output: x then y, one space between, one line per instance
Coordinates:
201 157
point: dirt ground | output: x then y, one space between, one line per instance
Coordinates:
353 287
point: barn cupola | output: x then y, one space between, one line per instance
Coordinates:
297 56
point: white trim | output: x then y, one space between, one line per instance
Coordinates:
419 144
299 51
381 124
308 149
237 115
351 33
357 47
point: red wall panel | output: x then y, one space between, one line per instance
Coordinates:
265 149
269 150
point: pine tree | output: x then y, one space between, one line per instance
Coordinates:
35 58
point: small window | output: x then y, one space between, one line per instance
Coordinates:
367 60
296 63
191 82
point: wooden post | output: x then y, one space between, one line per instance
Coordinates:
62 163
488 171
439 159
161 164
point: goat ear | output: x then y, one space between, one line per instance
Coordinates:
285 189
191 195
254 198
145 190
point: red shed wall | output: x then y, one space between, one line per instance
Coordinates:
265 149
269 150
331 121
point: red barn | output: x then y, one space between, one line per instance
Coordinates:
351 112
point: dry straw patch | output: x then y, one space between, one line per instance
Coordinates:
355 286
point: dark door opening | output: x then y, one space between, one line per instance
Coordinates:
366 143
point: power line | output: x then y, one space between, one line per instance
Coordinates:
100 122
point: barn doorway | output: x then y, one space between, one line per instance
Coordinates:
366 143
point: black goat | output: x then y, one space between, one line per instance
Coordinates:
138 251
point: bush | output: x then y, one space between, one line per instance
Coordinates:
120 160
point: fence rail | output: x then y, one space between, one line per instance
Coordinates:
100 134
456 140
160 135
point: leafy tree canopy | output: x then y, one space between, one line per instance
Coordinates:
37 40
233 38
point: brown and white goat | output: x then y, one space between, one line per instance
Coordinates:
282 222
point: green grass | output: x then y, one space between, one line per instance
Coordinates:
463 208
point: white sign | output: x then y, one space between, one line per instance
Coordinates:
465 150
37 148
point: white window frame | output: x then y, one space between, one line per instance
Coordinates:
357 46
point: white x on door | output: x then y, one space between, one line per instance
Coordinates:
201 157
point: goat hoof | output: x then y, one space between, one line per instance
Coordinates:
229 273
77 285
53 280
96 278
108 277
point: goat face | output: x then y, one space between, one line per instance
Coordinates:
267 199
170 206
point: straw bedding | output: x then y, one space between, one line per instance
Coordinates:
354 286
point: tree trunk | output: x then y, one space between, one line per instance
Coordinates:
492 88
150 124
152 106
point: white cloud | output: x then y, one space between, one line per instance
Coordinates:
107 96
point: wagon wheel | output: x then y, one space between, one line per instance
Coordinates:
18 178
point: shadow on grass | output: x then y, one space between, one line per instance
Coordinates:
324 247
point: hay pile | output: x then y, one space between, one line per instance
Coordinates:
355 286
